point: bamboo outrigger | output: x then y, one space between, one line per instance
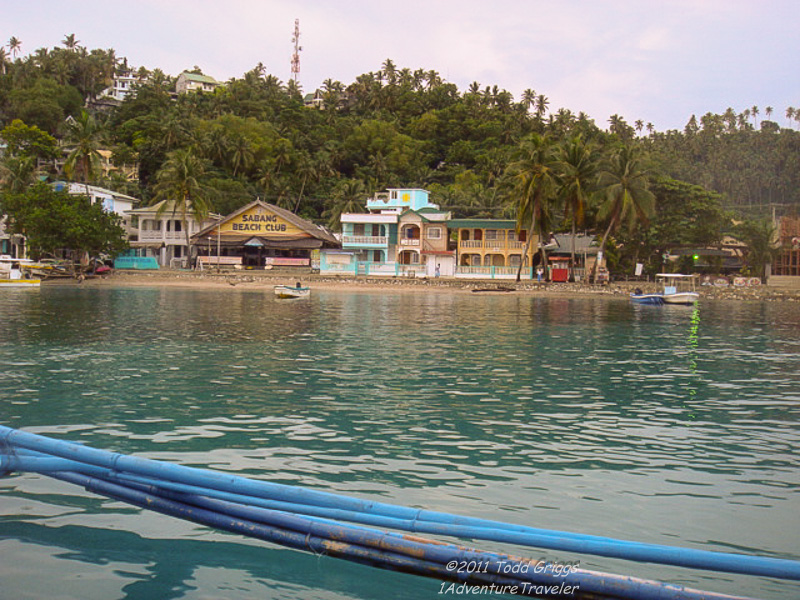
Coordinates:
323 523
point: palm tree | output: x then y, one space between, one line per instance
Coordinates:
768 112
790 114
759 237
83 138
541 105
532 179
624 186
70 42
179 183
17 173
529 98
577 167
3 60
14 44
754 112
348 196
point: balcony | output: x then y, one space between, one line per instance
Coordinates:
365 240
161 236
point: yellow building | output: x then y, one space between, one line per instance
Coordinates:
491 243
261 235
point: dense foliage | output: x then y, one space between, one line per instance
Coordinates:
254 136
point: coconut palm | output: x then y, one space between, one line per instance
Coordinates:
760 239
70 42
180 184
626 198
348 196
14 44
82 141
532 180
577 173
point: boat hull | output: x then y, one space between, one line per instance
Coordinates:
681 298
20 283
654 299
284 291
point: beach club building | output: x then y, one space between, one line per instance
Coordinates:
261 236
401 234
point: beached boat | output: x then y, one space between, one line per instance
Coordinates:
287 291
14 272
679 288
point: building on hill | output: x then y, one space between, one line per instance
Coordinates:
192 82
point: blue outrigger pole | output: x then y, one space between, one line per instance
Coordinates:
322 522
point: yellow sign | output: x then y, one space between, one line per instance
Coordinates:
260 221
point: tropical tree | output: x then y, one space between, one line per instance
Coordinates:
577 174
759 237
532 180
349 195
14 44
626 199
70 42
82 140
180 184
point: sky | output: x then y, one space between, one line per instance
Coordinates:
660 61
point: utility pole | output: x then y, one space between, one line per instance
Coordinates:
297 49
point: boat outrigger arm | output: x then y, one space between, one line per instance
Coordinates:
347 527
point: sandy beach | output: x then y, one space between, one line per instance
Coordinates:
260 280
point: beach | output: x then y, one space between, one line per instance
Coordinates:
255 280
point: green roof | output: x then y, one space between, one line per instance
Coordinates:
482 224
199 78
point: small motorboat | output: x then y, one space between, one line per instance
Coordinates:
639 297
15 272
287 291
679 288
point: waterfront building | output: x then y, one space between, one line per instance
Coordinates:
492 248
259 236
159 232
401 234
113 202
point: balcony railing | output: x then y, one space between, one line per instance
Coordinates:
161 236
409 242
365 240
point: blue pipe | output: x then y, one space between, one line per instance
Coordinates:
391 550
418 520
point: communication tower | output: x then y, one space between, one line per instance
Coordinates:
297 49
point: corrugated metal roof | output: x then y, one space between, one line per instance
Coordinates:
482 224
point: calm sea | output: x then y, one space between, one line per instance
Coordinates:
670 425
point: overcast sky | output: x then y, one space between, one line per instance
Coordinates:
656 60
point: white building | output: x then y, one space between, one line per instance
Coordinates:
122 86
112 202
158 231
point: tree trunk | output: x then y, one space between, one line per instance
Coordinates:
527 245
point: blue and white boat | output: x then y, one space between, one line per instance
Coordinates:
639 297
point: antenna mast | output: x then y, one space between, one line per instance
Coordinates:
297 49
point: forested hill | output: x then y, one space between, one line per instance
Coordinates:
394 127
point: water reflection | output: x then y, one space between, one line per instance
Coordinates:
671 426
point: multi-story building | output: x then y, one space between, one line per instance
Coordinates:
123 85
402 233
159 231
192 82
491 247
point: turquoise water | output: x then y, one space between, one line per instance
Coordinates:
671 425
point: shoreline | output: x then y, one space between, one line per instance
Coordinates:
260 280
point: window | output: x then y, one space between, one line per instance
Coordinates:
358 229
434 233
495 235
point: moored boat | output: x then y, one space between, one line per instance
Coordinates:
287 291
679 288
639 297
13 273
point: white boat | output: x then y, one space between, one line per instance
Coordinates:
678 288
13 273
287 291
